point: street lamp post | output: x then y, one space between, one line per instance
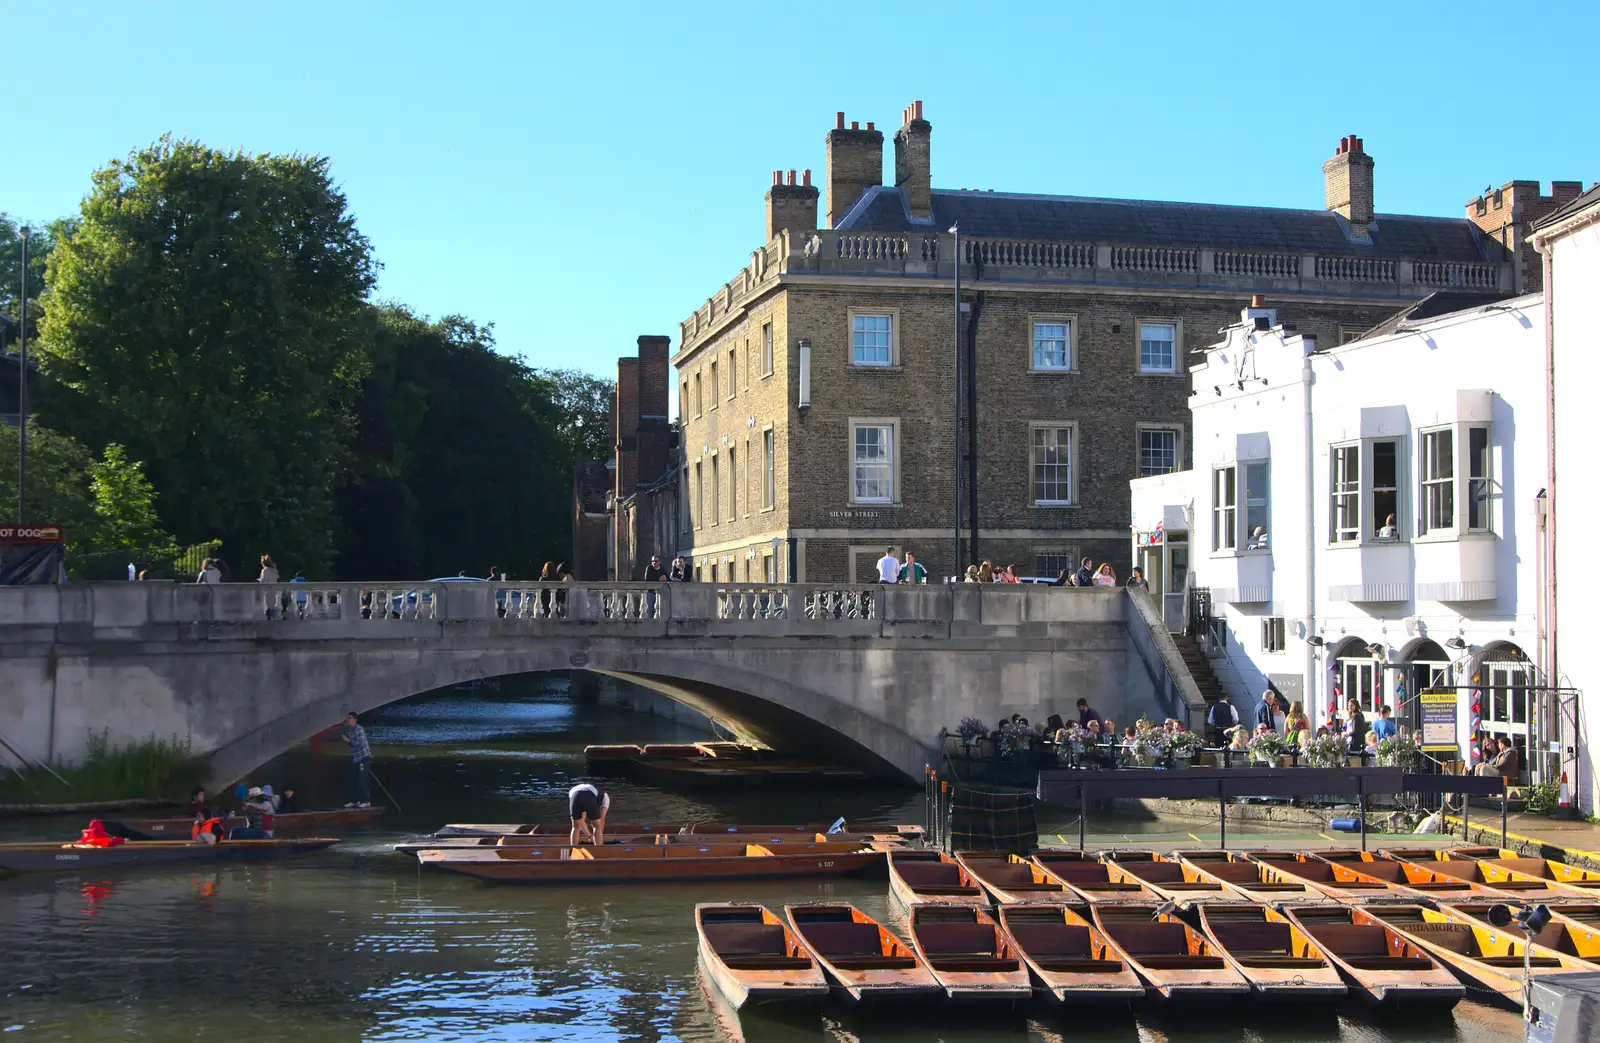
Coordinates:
22 390
955 230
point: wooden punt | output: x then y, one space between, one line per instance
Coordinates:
970 956
1070 960
1546 869
1573 930
1012 879
1252 880
1469 851
728 750
917 877
1094 881
669 749
1420 878
294 823
28 857
563 828
1486 959
1382 967
1168 877
909 832
437 843
1280 961
630 863
1496 879
860 957
753 957
1336 881
1175 961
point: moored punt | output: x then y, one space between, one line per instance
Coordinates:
1485 958
1382 967
651 862
1468 851
1094 881
411 847
549 829
1547 869
972 959
1280 961
753 957
293 823
1012 879
1177 962
30 857
1168 877
1338 882
669 749
1251 879
1418 878
727 750
1573 930
1069 958
918 876
858 955
1495 880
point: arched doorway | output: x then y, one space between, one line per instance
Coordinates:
1356 674
1508 704
1424 665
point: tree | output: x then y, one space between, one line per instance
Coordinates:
39 247
583 405
207 310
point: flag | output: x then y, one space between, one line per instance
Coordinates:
1158 533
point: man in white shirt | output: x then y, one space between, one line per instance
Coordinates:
889 567
588 806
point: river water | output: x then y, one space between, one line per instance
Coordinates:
360 944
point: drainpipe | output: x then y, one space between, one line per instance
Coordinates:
1307 376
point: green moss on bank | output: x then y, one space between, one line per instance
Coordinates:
154 769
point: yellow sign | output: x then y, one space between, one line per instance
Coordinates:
1439 721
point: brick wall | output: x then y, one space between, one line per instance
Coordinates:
1506 215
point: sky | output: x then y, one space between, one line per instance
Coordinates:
581 174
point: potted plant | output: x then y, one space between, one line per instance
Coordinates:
1149 744
1182 747
1399 751
1265 749
1326 751
1072 747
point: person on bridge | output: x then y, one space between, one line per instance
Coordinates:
355 737
588 807
888 567
911 571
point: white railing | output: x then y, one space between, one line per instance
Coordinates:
842 604
1472 276
1028 253
1268 266
1154 259
869 247
1355 269
753 603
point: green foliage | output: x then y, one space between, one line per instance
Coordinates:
1543 798
583 411
125 503
39 247
207 311
154 769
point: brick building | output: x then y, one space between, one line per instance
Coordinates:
626 508
817 388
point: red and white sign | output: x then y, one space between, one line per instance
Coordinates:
31 534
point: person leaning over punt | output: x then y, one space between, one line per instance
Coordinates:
588 806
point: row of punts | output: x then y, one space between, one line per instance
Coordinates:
710 765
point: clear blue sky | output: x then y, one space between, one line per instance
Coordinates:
578 174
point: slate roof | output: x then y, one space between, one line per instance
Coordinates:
1140 222
1442 302
1563 212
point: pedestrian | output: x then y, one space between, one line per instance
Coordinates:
494 575
562 576
679 572
1267 712
300 597
888 567
972 575
912 571
587 806
1136 580
986 572
355 737
1355 727
1219 719
546 575
1085 575
1105 576
209 573
269 570
653 573
1010 575
1063 579
1087 713
1384 727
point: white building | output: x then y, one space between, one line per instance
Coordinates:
1569 239
1366 517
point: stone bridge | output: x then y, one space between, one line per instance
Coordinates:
865 674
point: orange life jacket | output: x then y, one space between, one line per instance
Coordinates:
95 836
210 825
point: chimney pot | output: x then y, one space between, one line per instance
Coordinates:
1357 146
805 178
869 125
855 166
855 125
1258 300
777 177
916 110
838 118
791 178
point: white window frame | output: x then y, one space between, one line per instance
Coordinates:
1434 489
1177 447
716 491
766 349
1070 321
1374 524
892 424
1177 346
893 316
1344 496
1247 533
1482 486
1274 634
1366 677
1071 462
769 468
1225 509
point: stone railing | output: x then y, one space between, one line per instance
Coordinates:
1028 253
1270 266
1154 259
1355 269
1471 276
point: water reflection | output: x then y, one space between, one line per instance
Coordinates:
358 944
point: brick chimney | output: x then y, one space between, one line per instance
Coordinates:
855 164
1506 214
913 165
1347 178
791 206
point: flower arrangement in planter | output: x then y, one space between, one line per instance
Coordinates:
1012 744
1399 751
1267 748
1326 751
1182 746
1150 744
971 729
1073 745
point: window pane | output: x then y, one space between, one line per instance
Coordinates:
766 347
1052 465
1438 482
1346 507
1224 530
874 464
1385 490
771 491
871 340
1052 345
1479 478
1158 452
1256 516
1158 347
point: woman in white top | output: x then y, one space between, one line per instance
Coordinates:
1105 576
269 570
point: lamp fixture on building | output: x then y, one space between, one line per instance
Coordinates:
1376 649
1315 641
1456 643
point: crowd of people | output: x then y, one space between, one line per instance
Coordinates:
258 807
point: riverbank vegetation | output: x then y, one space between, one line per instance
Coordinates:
213 367
154 769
